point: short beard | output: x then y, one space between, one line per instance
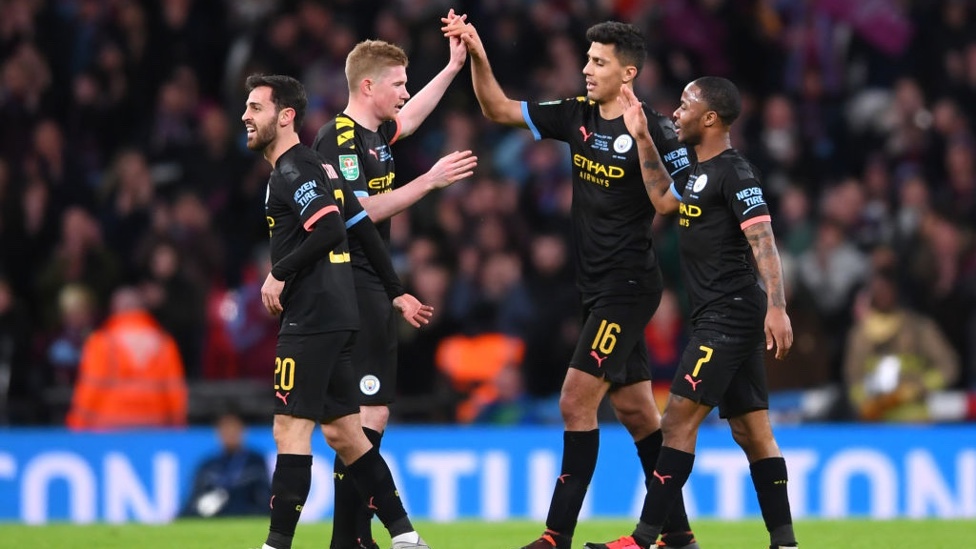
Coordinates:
263 138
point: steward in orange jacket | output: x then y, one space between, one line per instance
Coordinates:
131 373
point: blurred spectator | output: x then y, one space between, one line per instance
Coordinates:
19 381
128 193
480 369
177 303
234 481
895 357
551 335
131 374
80 257
424 387
78 318
242 323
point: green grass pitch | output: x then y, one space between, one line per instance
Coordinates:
248 533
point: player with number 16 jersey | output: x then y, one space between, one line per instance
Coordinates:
611 213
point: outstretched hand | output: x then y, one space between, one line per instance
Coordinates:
413 311
459 50
456 26
451 168
634 117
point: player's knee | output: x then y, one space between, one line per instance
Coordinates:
754 441
374 417
677 429
292 435
635 417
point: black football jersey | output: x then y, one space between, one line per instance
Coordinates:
302 189
611 211
722 197
366 163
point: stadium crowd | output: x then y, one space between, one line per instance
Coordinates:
122 164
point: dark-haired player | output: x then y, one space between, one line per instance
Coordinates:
310 286
616 267
722 217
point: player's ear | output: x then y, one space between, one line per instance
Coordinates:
711 118
286 116
630 73
366 86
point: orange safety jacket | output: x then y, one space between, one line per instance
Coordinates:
131 375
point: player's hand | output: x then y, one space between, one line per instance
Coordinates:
459 50
458 27
634 117
271 294
415 312
779 331
451 168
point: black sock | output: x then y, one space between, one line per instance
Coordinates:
675 531
364 515
375 483
289 488
769 477
347 503
580 449
668 477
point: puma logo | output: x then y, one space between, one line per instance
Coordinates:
694 384
372 152
562 478
283 397
599 360
586 136
660 477
271 503
370 504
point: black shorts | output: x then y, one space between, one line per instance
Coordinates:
374 355
313 376
611 344
724 366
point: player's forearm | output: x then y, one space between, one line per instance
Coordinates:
760 237
490 95
419 107
657 181
378 256
327 234
380 207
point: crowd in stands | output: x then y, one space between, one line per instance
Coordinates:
122 164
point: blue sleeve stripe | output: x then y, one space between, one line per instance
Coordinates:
360 194
528 121
674 192
356 219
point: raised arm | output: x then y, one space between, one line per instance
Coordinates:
495 105
779 332
415 111
657 181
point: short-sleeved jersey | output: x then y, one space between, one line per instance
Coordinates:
302 189
722 197
611 211
366 163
